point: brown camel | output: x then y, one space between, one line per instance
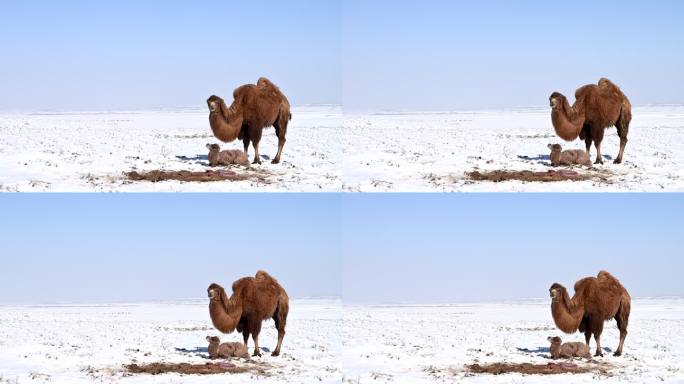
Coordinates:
254 108
596 300
254 299
596 108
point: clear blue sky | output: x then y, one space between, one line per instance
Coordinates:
78 54
450 248
366 247
99 247
443 54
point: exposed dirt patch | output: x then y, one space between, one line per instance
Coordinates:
196 369
537 369
548 176
199 176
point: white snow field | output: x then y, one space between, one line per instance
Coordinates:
85 344
432 151
433 343
328 150
69 152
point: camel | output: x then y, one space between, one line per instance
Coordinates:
217 349
559 349
227 157
254 299
596 300
596 108
568 157
254 108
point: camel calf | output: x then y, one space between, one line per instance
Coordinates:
218 349
566 350
568 157
226 157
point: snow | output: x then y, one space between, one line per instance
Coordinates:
75 152
86 343
427 152
328 150
432 343
328 341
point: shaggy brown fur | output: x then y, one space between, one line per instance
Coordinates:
559 349
568 157
596 300
254 299
254 108
226 157
596 108
218 349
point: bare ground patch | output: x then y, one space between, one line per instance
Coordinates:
537 369
198 176
498 176
197 369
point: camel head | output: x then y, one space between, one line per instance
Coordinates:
214 291
214 103
555 147
213 147
556 291
213 340
554 339
556 100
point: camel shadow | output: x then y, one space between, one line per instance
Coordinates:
541 159
195 158
539 352
193 351
198 159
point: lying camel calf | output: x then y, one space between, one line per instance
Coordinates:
568 157
566 350
226 157
218 349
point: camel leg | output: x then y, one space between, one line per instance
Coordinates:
280 326
622 128
256 138
257 159
622 318
245 337
245 143
281 129
587 141
597 328
587 336
598 138
256 328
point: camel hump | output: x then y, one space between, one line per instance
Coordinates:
266 83
584 90
240 283
603 82
263 275
242 90
583 283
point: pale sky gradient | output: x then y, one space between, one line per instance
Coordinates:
364 247
79 54
131 247
451 248
444 54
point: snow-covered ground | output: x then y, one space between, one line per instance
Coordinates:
424 343
91 151
432 151
328 150
84 344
